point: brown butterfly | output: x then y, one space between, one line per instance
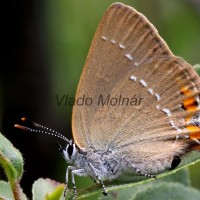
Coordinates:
129 62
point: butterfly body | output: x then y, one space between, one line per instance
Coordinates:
100 165
110 163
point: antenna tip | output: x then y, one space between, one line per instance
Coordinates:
16 125
22 127
23 118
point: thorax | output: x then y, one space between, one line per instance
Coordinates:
107 165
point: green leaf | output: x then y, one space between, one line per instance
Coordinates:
153 190
162 190
165 190
47 189
11 159
181 176
6 191
158 189
12 163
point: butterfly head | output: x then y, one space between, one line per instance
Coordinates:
70 152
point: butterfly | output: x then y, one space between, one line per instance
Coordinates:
144 114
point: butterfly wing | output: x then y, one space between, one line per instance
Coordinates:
128 59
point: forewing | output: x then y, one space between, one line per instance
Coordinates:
127 57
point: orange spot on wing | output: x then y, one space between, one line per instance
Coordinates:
189 101
191 105
196 148
192 128
195 135
185 91
191 108
188 118
194 132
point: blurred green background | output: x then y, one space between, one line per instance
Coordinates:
46 44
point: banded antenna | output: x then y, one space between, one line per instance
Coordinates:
42 129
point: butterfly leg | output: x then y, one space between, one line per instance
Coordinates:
78 172
95 181
67 176
74 171
99 179
103 186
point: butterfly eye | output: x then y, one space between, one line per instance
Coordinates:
70 150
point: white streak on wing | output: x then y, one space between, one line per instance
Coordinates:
150 91
143 83
104 37
134 78
113 41
121 46
136 63
158 107
167 111
129 56
157 96
175 127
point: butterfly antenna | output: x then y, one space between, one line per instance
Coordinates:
45 130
